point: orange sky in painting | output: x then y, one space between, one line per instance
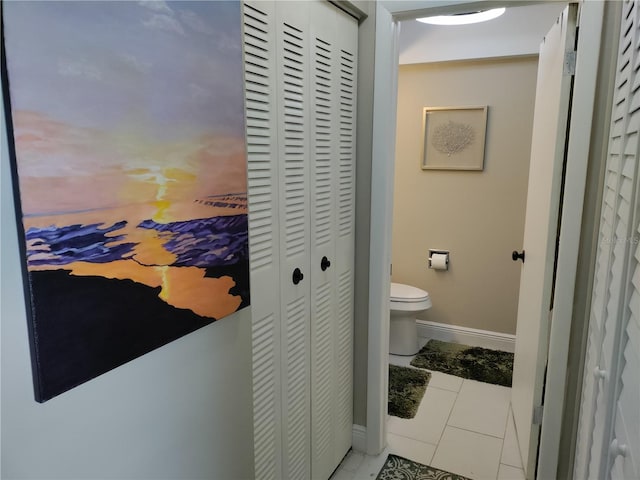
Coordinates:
66 169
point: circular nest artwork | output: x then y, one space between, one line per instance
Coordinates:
452 137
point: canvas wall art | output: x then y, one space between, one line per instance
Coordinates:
129 158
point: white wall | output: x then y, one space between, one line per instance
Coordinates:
518 32
180 412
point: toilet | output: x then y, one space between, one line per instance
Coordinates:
405 303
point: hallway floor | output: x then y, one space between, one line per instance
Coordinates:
462 426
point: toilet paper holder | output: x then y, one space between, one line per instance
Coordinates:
434 251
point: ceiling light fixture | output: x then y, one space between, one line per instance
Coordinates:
464 18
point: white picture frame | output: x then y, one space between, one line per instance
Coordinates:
453 138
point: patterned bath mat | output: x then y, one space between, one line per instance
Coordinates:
399 468
474 363
406 389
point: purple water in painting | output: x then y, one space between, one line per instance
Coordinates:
72 243
204 242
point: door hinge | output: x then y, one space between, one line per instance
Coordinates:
570 63
537 415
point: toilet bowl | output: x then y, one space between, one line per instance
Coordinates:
405 303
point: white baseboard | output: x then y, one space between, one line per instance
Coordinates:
466 336
359 438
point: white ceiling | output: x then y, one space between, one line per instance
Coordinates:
518 32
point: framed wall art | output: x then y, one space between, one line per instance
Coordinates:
127 138
453 138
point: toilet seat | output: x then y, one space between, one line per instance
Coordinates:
408 298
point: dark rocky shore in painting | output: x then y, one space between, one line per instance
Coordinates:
86 326
240 274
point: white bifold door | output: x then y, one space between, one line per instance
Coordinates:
300 81
608 444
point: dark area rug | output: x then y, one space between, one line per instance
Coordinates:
406 389
474 363
399 468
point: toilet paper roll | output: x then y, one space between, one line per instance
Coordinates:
440 261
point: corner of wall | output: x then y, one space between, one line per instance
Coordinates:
366 50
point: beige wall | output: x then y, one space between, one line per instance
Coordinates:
478 216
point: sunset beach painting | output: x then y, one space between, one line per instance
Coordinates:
130 160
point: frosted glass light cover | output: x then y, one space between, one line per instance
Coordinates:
464 18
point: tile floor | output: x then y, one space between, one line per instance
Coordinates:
462 426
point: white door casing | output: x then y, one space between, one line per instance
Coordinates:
387 19
541 228
382 172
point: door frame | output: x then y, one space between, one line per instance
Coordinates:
386 57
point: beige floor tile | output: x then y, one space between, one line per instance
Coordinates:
481 408
469 454
507 472
445 381
412 449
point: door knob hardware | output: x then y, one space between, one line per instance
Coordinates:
617 449
599 374
325 263
515 256
297 276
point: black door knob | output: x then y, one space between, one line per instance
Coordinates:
325 263
517 256
297 276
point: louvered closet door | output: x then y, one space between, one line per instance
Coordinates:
624 459
608 443
300 62
623 434
292 96
333 38
346 38
323 238
264 237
